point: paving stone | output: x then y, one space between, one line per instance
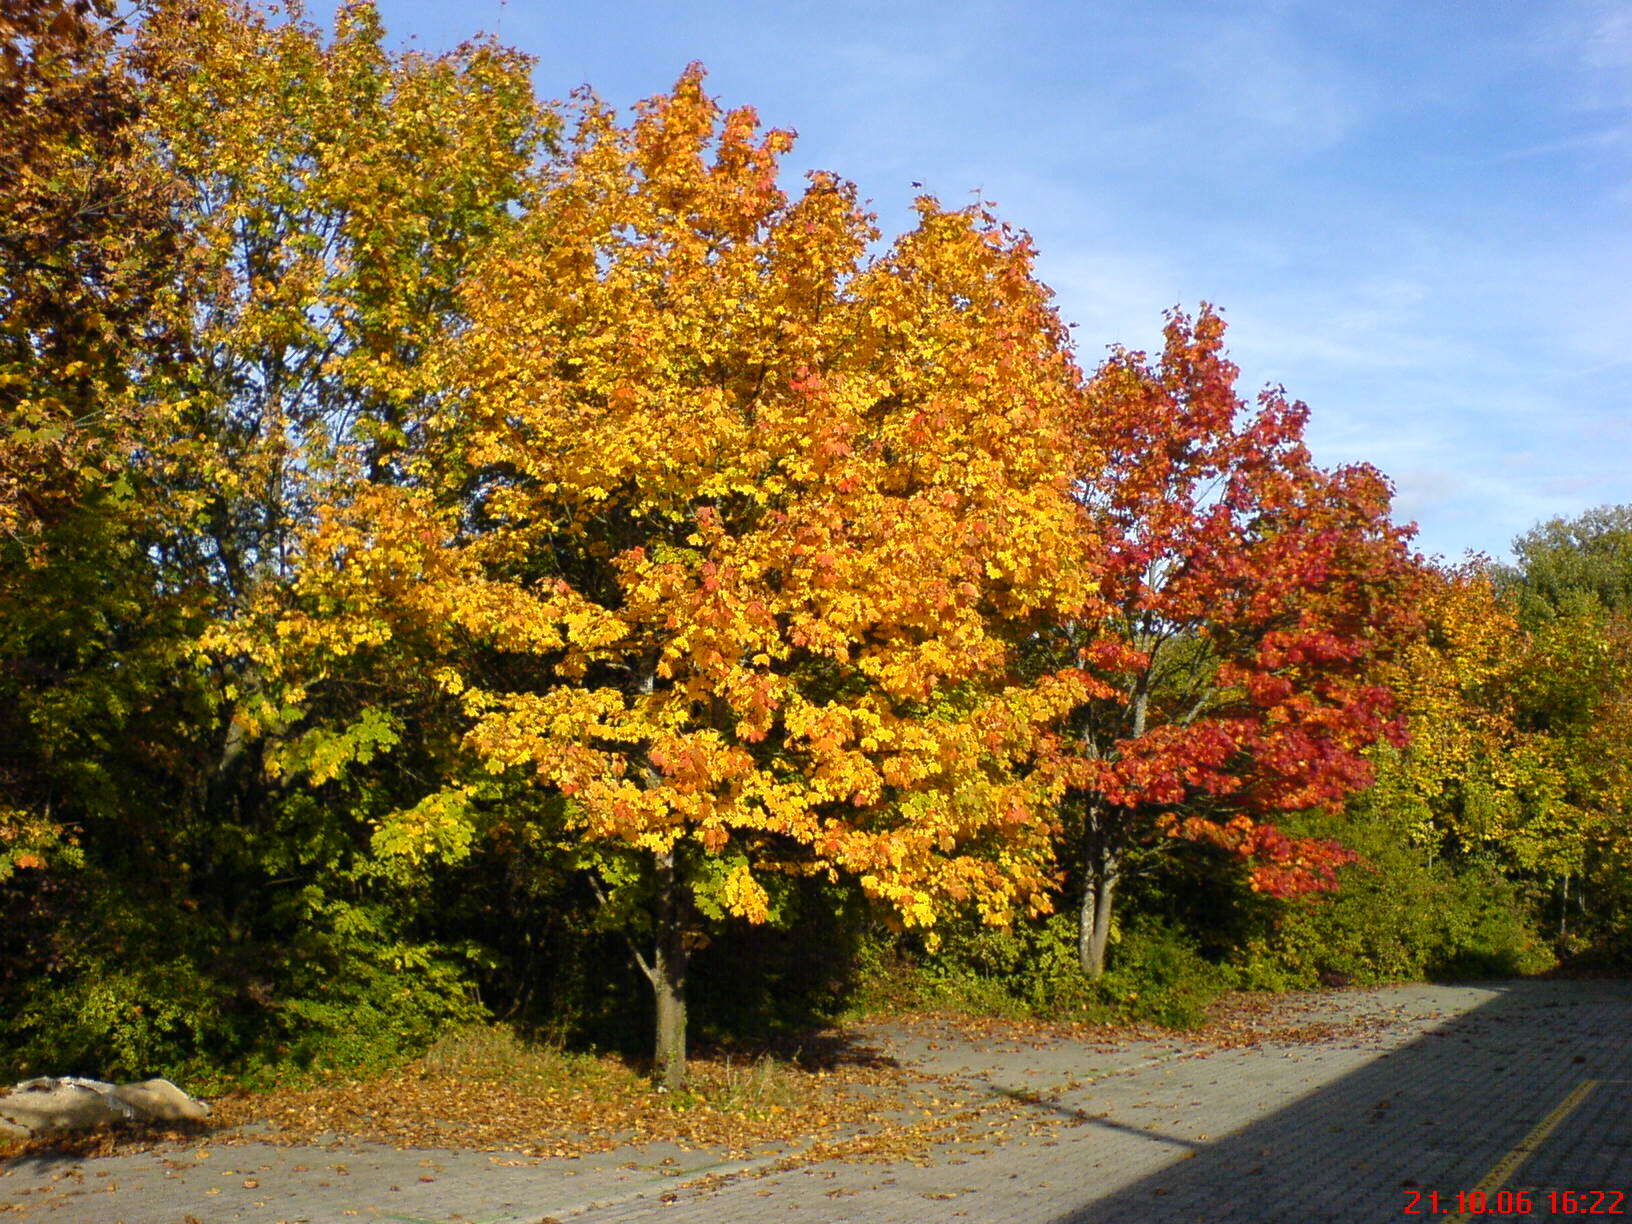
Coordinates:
1446 1085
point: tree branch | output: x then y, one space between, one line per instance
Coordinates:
644 965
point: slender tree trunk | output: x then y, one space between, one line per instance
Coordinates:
668 977
1100 870
1102 849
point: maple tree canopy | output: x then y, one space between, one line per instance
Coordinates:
761 516
1226 661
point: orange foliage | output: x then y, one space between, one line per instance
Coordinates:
754 518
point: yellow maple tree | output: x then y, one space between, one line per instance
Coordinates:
727 532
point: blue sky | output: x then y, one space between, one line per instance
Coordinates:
1415 216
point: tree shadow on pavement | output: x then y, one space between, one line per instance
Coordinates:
1452 1110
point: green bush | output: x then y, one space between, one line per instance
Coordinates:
1402 914
139 987
1155 974
108 1019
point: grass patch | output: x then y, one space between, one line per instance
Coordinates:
496 1053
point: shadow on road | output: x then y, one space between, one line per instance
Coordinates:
1441 1115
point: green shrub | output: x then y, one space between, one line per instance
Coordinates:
138 987
110 1019
1155 974
1402 914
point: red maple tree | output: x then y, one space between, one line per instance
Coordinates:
1226 660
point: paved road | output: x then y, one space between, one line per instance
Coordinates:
1516 1091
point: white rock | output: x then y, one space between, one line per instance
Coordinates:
161 1101
49 1104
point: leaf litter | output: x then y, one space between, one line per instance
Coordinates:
834 1097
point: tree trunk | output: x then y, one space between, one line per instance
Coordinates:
1100 869
668 977
1102 847
667 969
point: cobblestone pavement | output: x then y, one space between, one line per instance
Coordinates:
1519 1092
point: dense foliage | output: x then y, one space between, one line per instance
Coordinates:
461 556
1228 657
